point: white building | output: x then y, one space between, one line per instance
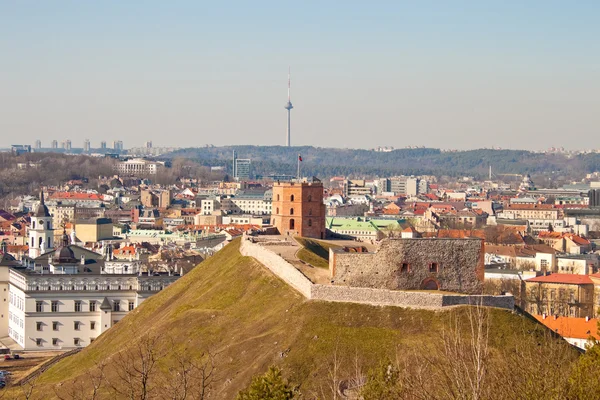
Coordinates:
137 166
67 297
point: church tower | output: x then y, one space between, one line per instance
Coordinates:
41 232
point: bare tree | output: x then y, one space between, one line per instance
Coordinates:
333 376
190 377
135 368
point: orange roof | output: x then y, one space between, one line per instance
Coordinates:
578 239
531 206
75 196
570 279
550 235
571 327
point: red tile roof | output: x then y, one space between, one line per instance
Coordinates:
570 327
75 196
571 279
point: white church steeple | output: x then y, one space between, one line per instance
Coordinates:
41 231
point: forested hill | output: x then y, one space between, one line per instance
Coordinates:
326 162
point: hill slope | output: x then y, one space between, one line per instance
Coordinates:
234 307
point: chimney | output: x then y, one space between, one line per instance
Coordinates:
82 259
555 317
544 316
587 318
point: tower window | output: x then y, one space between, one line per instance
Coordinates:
405 267
291 211
292 198
433 267
310 222
309 197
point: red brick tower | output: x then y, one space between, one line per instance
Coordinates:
298 209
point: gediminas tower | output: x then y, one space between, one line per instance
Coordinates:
298 208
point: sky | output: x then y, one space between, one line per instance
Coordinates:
445 74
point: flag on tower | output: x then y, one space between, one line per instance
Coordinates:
299 157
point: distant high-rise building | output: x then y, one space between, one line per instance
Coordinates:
149 144
67 144
38 144
242 169
86 145
289 107
117 145
54 144
103 144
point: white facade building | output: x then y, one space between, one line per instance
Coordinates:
66 298
137 166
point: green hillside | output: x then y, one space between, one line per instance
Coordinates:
234 308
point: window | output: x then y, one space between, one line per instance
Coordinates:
310 222
92 306
39 306
38 342
277 212
76 341
38 326
433 267
309 197
55 306
77 325
54 325
405 268
92 324
54 341
131 305
292 198
116 305
291 211
77 306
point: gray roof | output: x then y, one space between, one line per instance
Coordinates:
105 304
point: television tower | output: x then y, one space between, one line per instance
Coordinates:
288 107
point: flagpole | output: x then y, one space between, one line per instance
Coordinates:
298 175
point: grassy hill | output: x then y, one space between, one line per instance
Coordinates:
233 307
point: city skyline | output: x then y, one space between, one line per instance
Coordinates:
455 76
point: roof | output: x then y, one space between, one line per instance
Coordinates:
76 196
571 327
105 304
42 210
570 279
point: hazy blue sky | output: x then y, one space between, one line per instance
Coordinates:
450 74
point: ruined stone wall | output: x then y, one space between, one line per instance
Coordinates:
458 265
277 265
381 297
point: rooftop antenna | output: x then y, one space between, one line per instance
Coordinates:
288 107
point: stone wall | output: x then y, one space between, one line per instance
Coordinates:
381 297
277 265
454 265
